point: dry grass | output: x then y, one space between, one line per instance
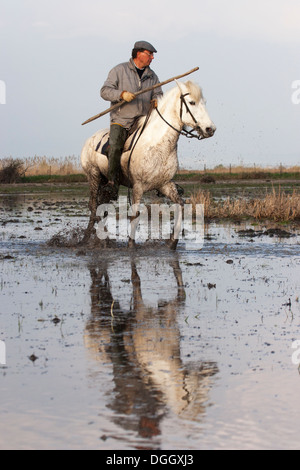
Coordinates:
276 206
241 169
240 172
37 166
64 166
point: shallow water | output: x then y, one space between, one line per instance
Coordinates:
122 350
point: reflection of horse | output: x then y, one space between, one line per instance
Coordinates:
153 160
143 347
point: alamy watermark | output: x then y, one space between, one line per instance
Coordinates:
296 92
2 92
2 353
153 222
296 354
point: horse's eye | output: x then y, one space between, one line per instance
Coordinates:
192 103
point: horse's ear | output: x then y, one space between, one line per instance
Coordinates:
177 83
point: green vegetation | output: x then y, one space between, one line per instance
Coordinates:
77 178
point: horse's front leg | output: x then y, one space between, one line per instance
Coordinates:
179 280
134 218
170 190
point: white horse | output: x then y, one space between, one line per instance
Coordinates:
152 160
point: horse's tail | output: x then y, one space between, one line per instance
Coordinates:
91 156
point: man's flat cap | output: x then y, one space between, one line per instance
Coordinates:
144 45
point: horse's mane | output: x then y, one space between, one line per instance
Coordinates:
194 90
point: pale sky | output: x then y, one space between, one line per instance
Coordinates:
55 56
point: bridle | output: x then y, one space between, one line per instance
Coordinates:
185 132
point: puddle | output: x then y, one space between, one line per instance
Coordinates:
147 350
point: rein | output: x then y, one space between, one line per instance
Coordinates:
133 147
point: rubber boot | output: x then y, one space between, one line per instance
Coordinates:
117 139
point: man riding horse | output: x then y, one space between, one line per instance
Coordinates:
122 83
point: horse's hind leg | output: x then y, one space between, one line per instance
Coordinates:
170 190
94 179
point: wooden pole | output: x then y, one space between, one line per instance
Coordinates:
117 105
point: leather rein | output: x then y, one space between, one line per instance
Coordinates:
185 132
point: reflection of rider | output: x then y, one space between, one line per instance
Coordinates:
122 82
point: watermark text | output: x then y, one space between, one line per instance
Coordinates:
2 353
2 92
296 92
153 222
296 354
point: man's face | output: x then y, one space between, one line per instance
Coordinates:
145 58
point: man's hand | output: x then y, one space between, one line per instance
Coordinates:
127 96
154 103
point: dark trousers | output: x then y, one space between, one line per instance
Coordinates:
117 139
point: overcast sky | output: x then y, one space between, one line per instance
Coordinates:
55 56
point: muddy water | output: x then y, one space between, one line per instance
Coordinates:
122 350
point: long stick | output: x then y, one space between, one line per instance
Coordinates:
117 105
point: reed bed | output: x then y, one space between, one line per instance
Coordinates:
43 166
240 172
243 169
37 166
275 206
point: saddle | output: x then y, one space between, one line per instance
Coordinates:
103 145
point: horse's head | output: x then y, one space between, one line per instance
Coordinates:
193 111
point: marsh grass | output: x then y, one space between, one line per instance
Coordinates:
71 165
240 172
44 166
276 206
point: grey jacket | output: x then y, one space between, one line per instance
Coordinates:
125 77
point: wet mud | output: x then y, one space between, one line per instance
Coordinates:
146 349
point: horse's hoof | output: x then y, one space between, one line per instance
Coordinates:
172 244
131 243
85 240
